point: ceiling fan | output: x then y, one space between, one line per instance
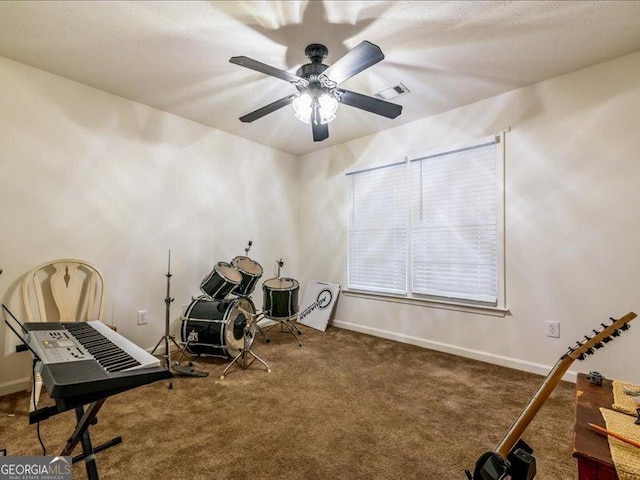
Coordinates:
318 94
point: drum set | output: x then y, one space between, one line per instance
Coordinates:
223 321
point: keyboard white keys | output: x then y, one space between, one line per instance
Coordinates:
113 351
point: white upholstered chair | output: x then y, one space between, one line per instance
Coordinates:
62 291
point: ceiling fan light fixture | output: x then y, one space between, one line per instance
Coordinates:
318 94
303 107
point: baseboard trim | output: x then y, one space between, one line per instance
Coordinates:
509 362
517 364
14 386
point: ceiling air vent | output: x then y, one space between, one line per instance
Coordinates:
392 92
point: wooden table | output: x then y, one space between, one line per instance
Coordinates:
590 448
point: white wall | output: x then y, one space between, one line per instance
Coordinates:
90 175
85 174
572 221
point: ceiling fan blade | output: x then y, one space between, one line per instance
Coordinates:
268 69
357 59
370 104
272 107
320 131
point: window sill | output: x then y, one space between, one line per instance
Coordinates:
429 303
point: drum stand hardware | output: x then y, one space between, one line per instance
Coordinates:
273 307
287 322
262 332
258 327
188 370
167 337
241 358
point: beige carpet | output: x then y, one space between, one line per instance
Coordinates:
344 406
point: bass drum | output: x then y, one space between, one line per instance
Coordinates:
280 298
217 327
251 271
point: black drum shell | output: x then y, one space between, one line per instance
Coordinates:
213 321
280 302
249 279
218 284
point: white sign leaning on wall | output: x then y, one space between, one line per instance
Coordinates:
317 304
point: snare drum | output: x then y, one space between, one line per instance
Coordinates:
280 298
251 271
217 327
222 280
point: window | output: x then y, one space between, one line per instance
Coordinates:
430 226
377 230
455 224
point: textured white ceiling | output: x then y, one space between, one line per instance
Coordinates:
173 55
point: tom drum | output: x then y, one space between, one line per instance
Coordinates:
280 298
223 279
251 271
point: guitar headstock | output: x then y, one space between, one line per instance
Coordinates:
608 333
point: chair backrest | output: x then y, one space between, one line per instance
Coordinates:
64 291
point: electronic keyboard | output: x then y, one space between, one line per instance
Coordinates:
87 361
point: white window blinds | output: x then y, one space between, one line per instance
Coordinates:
454 218
378 224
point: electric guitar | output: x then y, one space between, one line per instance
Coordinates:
512 458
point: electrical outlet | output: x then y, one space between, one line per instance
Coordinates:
142 317
553 329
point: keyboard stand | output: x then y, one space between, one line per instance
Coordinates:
81 435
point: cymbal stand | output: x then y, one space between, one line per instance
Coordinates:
167 336
261 330
241 358
258 327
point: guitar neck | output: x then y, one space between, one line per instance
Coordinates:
586 347
531 409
